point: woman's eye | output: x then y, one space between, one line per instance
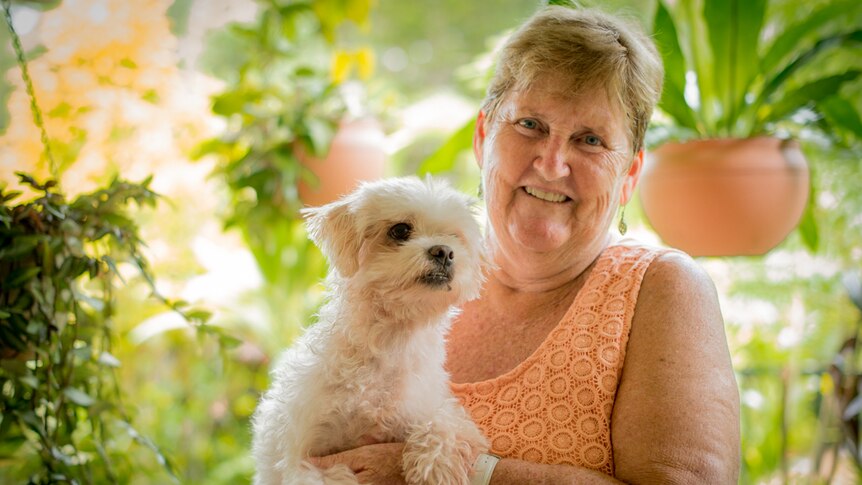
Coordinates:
592 140
529 124
400 231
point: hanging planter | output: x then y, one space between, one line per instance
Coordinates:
355 155
734 75
725 197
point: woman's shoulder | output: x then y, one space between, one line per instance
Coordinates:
666 266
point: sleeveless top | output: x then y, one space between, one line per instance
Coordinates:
555 406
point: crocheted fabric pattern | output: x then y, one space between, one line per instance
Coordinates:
555 407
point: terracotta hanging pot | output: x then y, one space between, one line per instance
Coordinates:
356 154
725 197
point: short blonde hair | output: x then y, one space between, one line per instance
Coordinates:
587 49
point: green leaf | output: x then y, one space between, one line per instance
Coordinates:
211 146
700 55
108 360
792 38
78 397
808 224
807 95
20 277
9 445
444 158
320 133
228 341
775 82
734 31
673 94
7 196
21 246
30 381
233 102
201 316
840 113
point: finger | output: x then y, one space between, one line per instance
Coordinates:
328 461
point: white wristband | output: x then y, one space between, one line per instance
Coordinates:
483 469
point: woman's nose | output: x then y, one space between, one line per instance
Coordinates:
552 161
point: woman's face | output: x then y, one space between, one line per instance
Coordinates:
555 169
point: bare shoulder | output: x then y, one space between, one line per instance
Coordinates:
676 415
676 271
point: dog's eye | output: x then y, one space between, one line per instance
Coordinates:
400 231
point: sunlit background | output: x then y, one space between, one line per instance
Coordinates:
210 97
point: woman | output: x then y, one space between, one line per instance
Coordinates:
585 360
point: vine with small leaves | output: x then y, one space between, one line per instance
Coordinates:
62 413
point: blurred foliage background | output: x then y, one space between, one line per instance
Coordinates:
210 98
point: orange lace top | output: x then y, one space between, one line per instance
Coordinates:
555 407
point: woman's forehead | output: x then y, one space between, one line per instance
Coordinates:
548 100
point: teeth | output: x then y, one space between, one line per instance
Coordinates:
549 196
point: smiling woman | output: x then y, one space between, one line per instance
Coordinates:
552 170
585 358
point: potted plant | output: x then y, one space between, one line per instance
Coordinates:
739 87
297 133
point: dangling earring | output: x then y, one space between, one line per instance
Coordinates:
623 227
479 192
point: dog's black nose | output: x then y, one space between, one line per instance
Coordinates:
442 255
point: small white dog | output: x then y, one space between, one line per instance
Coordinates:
403 253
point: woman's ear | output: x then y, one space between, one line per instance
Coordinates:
631 177
479 137
332 228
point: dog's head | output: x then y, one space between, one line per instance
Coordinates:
407 240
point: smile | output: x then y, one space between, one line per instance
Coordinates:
546 196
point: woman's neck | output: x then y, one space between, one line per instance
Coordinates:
544 273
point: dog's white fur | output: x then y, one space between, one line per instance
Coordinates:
371 369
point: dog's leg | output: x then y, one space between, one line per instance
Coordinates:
443 449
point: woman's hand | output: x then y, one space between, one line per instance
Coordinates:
378 463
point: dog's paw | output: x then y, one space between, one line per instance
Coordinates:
434 454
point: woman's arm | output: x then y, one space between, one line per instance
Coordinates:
676 414
380 464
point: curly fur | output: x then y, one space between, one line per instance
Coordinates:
371 369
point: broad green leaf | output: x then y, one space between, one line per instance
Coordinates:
672 97
807 95
444 158
792 38
734 30
775 82
839 112
700 55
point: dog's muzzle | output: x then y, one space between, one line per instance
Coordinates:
443 269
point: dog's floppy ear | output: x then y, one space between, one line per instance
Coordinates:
333 229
